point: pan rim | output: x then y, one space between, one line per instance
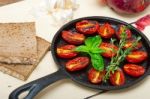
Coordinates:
87 85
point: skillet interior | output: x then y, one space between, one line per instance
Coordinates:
81 76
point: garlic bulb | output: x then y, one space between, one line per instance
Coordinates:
59 11
56 5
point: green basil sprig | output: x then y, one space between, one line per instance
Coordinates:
91 47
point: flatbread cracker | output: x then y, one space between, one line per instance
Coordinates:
22 72
18 43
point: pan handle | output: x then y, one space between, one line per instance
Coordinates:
36 86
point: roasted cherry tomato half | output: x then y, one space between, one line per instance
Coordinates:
136 56
66 51
110 49
106 31
73 38
77 64
134 70
95 76
121 29
117 78
87 26
129 44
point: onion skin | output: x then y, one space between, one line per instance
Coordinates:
128 6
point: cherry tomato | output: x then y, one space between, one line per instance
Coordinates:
95 76
121 29
66 51
78 63
129 43
117 78
136 56
106 31
87 26
134 70
73 38
110 49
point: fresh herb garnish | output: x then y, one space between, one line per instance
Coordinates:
97 61
91 47
121 54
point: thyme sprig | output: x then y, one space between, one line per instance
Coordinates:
120 54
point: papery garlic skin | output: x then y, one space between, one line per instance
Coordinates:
58 11
62 16
56 5
61 10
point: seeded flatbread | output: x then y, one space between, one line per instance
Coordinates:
22 72
18 43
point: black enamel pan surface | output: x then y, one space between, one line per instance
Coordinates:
81 76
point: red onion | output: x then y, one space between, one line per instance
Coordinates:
128 6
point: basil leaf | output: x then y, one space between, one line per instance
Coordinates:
97 50
93 41
82 48
91 47
97 62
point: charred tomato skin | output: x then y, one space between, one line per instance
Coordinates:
66 51
108 49
134 70
77 64
95 76
106 31
117 78
128 32
87 26
73 38
136 56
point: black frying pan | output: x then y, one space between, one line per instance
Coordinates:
81 77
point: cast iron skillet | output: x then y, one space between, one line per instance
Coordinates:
81 77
